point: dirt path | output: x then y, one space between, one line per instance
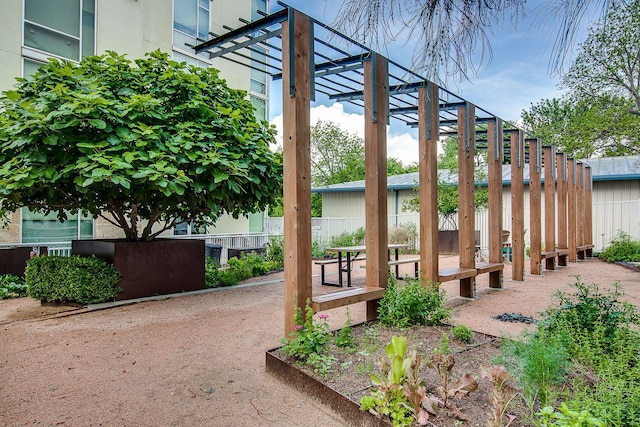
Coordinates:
198 360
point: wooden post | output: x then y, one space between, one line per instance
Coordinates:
588 209
535 207
375 129
297 164
466 205
571 210
428 136
581 215
563 242
495 141
549 204
517 204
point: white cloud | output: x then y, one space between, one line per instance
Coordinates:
403 146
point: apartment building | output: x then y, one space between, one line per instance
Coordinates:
33 30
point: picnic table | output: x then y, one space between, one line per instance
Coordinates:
347 255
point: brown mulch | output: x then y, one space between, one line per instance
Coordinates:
198 360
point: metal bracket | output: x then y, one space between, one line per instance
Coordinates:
429 110
538 156
292 56
374 92
467 126
519 147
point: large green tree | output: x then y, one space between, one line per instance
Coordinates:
142 144
583 128
600 114
608 62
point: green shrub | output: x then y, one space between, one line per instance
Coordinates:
538 363
622 248
237 269
585 354
348 239
462 333
72 279
406 233
275 250
12 287
587 310
411 304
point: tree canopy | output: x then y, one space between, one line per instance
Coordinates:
142 144
585 128
608 62
600 114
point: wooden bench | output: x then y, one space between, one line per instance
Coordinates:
397 262
345 297
495 273
562 257
549 257
455 273
585 251
323 262
488 267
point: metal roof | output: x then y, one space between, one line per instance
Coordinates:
602 169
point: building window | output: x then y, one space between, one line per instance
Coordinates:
64 28
190 22
187 229
190 60
260 105
40 228
30 67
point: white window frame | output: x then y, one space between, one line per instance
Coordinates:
39 55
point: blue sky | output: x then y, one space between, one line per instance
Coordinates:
516 77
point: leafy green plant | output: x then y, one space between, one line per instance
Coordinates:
538 363
275 250
411 304
344 338
142 143
443 363
589 308
348 239
622 248
237 269
502 393
462 333
398 394
564 416
406 233
12 287
309 337
72 279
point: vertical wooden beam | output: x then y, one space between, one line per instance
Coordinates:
588 201
563 176
549 204
428 136
517 204
466 187
535 207
297 164
571 210
581 216
494 159
375 153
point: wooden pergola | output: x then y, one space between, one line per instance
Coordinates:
311 58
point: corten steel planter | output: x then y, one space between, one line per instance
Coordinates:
158 267
340 404
14 260
448 242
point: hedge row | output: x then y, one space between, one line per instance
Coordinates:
72 279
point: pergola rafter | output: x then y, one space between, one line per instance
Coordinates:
310 57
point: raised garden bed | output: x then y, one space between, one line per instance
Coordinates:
342 388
